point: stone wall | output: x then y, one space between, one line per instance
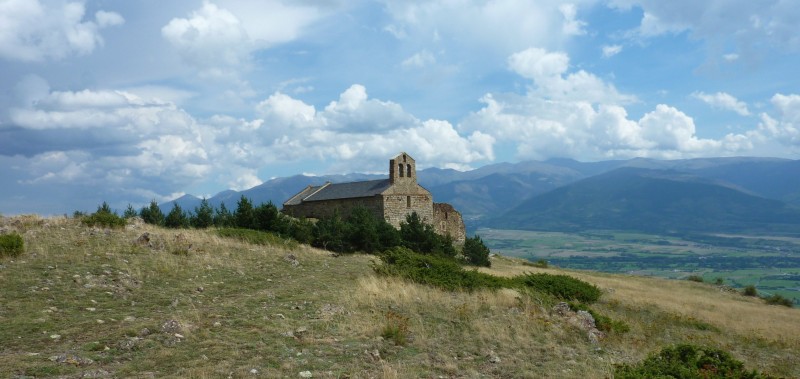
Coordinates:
397 207
447 221
326 208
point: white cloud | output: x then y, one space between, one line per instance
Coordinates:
611 50
722 100
419 60
210 37
730 57
548 70
571 25
743 23
578 115
34 31
354 132
785 127
491 27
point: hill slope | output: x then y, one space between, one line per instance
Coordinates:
654 201
84 302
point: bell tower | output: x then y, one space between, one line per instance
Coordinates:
402 169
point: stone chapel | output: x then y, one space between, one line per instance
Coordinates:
392 199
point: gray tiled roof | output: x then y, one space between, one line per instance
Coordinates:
297 199
349 190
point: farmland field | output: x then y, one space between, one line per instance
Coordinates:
772 264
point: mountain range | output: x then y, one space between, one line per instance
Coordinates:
704 195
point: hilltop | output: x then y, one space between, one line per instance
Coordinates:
94 302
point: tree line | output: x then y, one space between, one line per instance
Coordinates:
358 231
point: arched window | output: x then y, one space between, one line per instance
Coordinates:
408 170
400 168
408 201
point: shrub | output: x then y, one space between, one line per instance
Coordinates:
777 299
11 245
750 291
104 217
436 271
719 281
475 252
602 322
256 237
695 278
687 361
395 328
561 286
421 237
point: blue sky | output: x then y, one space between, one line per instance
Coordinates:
133 101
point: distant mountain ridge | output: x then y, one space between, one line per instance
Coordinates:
652 201
487 192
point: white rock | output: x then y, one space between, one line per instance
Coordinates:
254 372
305 374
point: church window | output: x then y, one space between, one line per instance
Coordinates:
400 168
408 201
408 170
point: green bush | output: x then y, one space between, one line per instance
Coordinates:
602 322
695 278
777 299
104 217
11 245
256 237
750 291
396 328
541 263
446 273
687 361
437 271
560 286
475 252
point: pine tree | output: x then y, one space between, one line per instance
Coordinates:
475 252
129 212
223 217
243 216
176 218
152 214
203 216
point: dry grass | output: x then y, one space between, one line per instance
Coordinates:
244 307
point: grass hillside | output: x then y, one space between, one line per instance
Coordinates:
653 201
88 302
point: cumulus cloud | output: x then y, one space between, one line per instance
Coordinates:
724 101
785 126
220 38
210 37
571 26
34 30
579 115
549 72
359 132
